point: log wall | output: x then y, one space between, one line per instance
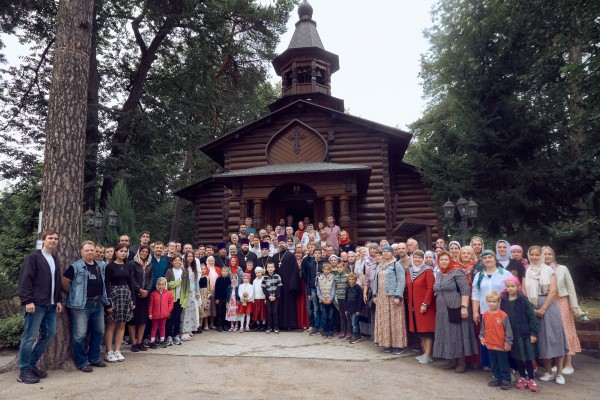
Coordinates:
210 210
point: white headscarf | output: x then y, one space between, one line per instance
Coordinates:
537 278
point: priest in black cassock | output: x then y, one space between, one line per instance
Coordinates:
287 268
221 257
264 258
245 254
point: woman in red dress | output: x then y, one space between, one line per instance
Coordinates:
421 307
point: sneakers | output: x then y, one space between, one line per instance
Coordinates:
560 379
547 377
532 385
141 347
177 340
398 351
341 336
134 348
425 359
494 383
110 357
505 385
522 384
185 337
387 350
348 336
27 377
154 345
38 374
355 339
146 343
119 356
314 332
276 330
170 340
568 371
269 330
163 344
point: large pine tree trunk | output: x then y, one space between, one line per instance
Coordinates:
62 183
92 135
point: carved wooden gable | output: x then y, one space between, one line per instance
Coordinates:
296 143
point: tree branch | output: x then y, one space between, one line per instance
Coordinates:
34 82
135 25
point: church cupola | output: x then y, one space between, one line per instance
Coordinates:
305 67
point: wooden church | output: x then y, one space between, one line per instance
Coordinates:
308 158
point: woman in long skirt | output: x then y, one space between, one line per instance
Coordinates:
388 292
453 340
541 289
191 317
567 304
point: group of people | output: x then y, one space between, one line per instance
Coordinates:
473 307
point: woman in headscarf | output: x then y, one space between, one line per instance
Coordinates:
541 289
345 242
516 252
421 307
388 292
504 258
491 277
454 249
567 304
431 260
453 340
213 273
477 245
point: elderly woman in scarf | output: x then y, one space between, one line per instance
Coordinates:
421 307
504 258
516 252
453 340
541 290
566 299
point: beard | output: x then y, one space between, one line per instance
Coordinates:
282 247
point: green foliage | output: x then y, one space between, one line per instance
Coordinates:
11 330
119 201
19 211
511 121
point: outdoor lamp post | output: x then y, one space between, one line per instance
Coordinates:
93 221
468 215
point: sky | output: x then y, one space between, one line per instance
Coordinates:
380 43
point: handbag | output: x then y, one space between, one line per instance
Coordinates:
454 315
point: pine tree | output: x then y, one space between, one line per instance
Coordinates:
119 201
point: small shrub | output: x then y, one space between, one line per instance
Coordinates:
11 330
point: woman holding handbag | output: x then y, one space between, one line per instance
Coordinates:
454 331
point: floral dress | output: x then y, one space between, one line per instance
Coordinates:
232 307
191 320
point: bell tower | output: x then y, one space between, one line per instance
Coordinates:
305 67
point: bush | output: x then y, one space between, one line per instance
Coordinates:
11 330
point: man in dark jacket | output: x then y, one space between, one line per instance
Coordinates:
39 291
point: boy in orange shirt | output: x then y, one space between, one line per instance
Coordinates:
496 334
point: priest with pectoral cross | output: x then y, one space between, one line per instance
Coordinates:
245 254
287 268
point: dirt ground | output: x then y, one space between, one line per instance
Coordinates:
153 375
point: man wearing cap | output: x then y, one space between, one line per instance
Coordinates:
287 268
245 254
264 256
221 258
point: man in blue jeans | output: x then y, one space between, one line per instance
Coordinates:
39 292
84 282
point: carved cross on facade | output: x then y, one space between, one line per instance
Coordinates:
297 137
